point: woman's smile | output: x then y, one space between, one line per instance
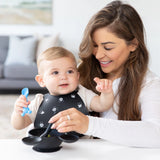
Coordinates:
105 63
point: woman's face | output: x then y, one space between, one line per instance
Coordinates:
111 52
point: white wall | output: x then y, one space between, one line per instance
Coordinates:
71 16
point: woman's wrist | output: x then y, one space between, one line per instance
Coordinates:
89 130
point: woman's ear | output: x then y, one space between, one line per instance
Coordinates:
39 80
134 45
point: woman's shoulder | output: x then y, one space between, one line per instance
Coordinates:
150 78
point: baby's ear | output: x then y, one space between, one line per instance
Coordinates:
39 80
78 74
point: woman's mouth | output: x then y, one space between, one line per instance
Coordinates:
105 63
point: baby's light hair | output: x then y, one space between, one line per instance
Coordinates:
54 53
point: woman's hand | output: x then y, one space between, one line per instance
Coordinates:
70 120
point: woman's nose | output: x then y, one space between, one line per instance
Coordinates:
99 53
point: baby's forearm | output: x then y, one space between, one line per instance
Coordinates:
102 103
106 100
19 122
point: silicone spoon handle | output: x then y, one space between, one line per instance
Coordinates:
25 92
46 131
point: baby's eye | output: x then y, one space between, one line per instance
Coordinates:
55 72
70 71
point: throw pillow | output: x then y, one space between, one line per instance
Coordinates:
21 50
46 42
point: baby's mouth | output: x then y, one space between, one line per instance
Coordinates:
63 85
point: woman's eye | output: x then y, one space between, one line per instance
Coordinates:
108 49
55 73
70 71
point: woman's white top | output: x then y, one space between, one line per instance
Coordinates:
144 133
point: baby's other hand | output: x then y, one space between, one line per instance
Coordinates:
20 103
103 85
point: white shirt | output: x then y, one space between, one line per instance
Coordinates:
144 133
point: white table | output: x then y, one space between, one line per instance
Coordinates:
84 149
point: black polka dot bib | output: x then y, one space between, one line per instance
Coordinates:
51 105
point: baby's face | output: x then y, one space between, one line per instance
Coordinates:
60 76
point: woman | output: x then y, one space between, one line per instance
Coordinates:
113 47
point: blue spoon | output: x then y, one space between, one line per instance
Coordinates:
25 92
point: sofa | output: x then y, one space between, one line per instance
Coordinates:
18 56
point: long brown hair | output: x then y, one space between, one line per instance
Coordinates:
122 20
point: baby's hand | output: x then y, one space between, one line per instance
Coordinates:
103 85
20 103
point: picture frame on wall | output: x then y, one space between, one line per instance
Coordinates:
25 12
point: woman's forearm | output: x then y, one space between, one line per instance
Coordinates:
130 133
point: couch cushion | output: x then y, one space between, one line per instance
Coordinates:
21 50
4 42
19 71
18 84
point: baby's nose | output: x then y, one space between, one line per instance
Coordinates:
63 76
